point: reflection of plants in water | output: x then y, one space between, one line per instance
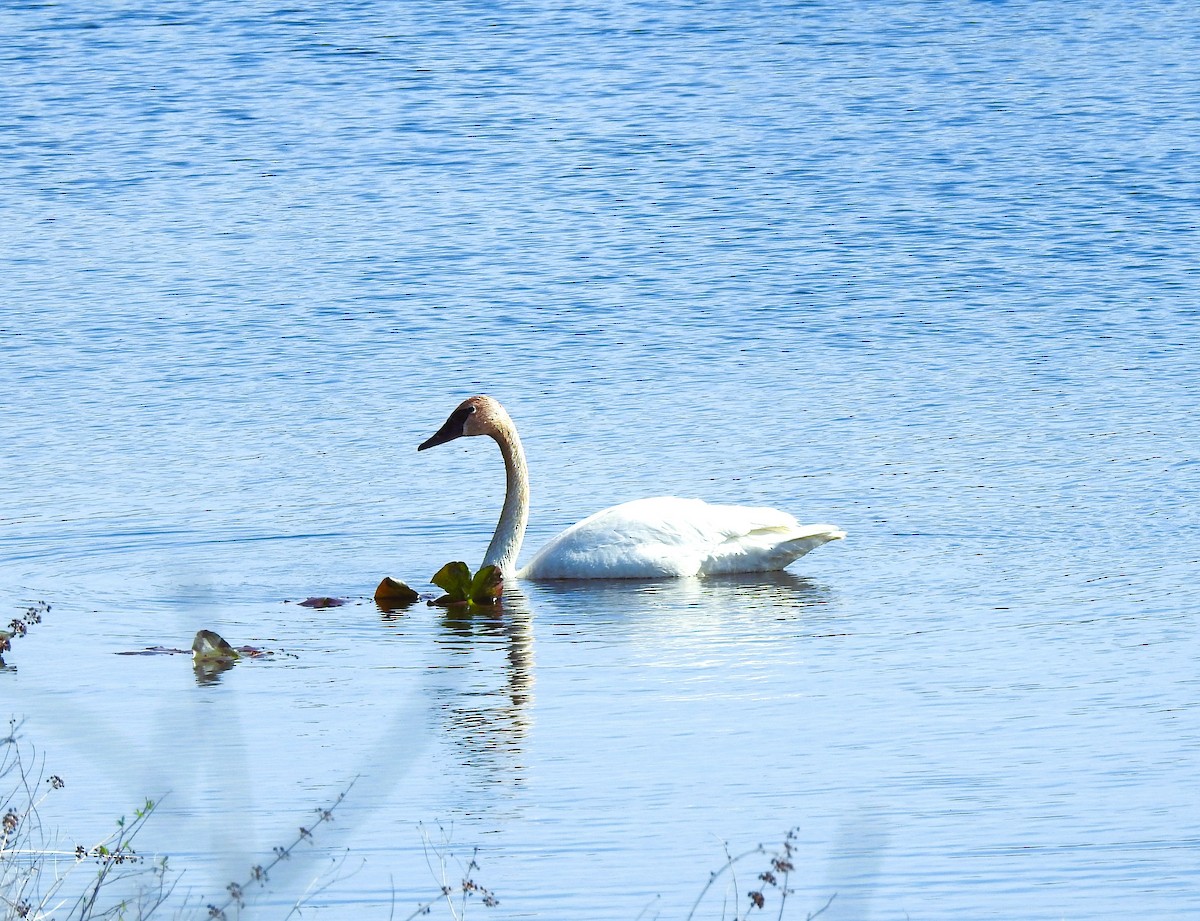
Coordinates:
490 718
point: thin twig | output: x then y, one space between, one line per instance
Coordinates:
260 872
716 874
314 890
821 910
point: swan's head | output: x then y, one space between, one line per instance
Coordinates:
479 415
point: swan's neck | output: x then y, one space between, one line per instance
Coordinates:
510 531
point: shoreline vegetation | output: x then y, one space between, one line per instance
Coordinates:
19 627
41 880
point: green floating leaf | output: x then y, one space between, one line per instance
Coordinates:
462 589
486 586
455 580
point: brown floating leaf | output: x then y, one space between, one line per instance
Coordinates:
322 602
392 593
255 652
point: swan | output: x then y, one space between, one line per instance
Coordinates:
664 537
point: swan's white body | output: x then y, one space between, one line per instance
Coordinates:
665 537
672 537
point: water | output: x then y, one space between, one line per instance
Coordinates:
927 272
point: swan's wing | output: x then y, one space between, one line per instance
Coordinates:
669 536
642 539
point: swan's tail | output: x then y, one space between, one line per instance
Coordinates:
810 538
770 548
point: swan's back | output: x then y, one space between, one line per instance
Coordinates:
673 537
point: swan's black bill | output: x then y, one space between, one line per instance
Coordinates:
453 428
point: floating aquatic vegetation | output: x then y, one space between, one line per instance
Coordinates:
211 655
461 588
212 647
207 646
392 594
322 601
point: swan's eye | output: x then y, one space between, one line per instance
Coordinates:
460 416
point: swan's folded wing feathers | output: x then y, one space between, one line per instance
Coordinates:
625 541
768 549
670 536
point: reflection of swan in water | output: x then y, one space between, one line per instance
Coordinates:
648 538
778 595
690 638
512 625
486 711
480 675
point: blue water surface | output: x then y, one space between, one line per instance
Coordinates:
925 271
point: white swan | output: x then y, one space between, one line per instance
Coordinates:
646 538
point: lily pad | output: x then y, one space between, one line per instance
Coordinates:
455 580
462 589
487 586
